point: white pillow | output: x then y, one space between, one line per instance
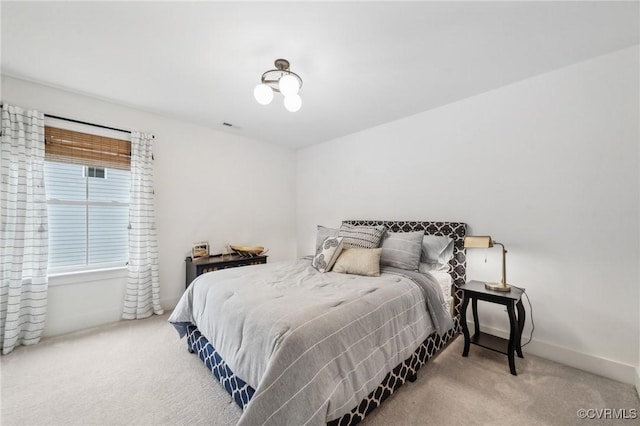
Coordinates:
327 254
437 251
434 267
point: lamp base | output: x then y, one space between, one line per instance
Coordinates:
497 287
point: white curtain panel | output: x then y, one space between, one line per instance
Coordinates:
23 229
142 298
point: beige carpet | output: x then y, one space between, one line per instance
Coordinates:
103 377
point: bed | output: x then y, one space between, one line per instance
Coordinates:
332 358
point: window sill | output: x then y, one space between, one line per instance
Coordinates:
82 277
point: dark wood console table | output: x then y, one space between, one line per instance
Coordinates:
213 263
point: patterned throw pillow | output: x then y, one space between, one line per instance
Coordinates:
368 237
324 232
327 254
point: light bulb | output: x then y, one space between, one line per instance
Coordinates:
263 94
293 103
288 85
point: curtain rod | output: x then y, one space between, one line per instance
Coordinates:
88 124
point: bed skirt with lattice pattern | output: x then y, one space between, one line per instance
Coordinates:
242 393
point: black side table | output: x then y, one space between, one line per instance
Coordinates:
475 291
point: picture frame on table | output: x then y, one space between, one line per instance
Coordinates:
200 249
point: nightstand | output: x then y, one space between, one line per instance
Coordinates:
213 263
474 291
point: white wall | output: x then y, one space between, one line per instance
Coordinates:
210 186
637 379
548 166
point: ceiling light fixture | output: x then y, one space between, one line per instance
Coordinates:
280 80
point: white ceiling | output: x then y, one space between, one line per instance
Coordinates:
363 63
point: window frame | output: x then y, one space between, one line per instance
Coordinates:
88 267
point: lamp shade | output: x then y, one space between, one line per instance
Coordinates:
288 85
263 94
478 242
293 103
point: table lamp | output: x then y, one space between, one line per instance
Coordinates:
487 242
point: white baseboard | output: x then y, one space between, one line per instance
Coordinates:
72 323
170 303
611 369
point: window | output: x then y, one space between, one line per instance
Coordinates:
87 182
96 172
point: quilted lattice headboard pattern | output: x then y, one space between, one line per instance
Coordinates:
455 230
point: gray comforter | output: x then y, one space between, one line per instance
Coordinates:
312 345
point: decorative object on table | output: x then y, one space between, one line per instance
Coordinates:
200 249
487 242
226 250
280 80
249 251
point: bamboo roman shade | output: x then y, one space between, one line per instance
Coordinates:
69 146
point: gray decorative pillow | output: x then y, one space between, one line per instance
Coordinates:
327 254
402 250
359 261
361 236
323 233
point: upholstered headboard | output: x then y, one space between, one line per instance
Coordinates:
455 230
